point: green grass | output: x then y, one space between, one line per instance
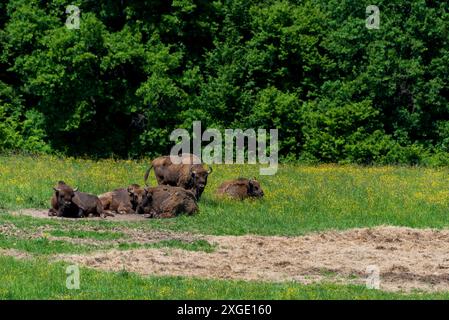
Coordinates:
42 246
84 234
28 279
102 235
298 199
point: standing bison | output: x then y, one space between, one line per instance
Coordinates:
189 174
69 202
241 188
167 202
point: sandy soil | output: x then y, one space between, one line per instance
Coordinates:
39 213
407 258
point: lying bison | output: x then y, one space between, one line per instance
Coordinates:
167 202
189 174
69 202
241 188
122 201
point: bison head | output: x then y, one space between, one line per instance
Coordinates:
254 189
64 195
137 194
199 179
146 200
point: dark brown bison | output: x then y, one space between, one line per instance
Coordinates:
137 193
168 202
241 188
189 175
122 201
68 202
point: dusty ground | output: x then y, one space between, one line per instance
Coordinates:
37 213
407 258
131 235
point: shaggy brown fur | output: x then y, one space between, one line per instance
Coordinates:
68 202
187 175
241 188
123 200
168 202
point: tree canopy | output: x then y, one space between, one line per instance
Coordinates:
136 70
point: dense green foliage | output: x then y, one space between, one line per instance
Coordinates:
135 70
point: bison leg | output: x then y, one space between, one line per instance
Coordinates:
162 215
127 211
109 213
103 213
166 215
150 213
140 210
191 209
123 209
52 212
80 213
168 209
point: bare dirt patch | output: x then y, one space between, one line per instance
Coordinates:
407 258
39 213
15 254
131 235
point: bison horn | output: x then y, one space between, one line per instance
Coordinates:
210 170
75 190
57 190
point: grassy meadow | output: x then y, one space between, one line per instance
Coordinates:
298 199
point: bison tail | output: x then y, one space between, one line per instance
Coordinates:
147 173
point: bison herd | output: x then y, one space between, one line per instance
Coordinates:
179 189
